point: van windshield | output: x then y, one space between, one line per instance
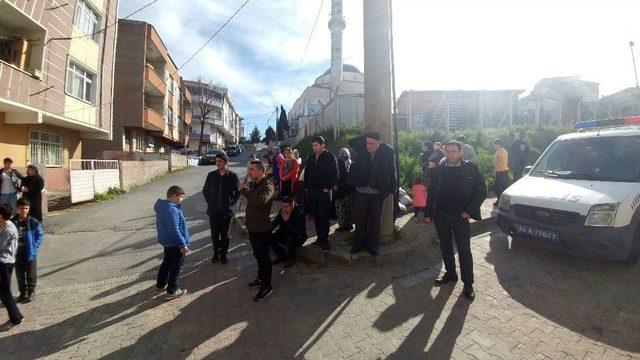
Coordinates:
599 159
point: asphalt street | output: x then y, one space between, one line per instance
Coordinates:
114 238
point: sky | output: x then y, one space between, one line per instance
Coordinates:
439 44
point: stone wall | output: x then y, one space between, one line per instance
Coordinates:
136 173
177 161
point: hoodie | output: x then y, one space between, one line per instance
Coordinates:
171 225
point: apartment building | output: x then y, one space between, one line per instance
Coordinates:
56 81
151 104
222 126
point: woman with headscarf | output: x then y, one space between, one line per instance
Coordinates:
277 164
32 186
344 192
290 173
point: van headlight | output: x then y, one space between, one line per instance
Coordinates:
505 203
602 215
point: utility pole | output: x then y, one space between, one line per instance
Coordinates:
635 70
377 87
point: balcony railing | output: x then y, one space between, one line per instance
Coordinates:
153 121
153 82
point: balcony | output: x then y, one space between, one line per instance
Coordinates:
21 40
153 121
153 83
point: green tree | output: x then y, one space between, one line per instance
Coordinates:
269 135
254 138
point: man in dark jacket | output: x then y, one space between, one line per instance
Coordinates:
519 154
221 193
259 200
290 229
456 193
373 174
321 174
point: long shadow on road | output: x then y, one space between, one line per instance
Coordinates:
596 299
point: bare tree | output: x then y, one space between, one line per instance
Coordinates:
204 91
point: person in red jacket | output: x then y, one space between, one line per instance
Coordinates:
289 173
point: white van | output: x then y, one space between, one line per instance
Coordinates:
583 194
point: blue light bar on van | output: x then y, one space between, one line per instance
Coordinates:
631 120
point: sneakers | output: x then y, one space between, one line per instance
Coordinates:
324 245
289 263
215 258
255 283
264 292
177 294
446 278
160 289
468 292
277 260
9 325
344 228
224 260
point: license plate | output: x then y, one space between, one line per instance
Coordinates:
538 234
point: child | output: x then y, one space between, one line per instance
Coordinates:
8 247
173 235
29 239
419 198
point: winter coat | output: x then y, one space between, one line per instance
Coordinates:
379 174
321 173
229 191
473 187
35 184
259 200
296 226
170 224
33 235
16 178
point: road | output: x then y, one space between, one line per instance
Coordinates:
118 237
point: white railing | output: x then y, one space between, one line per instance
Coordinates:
91 177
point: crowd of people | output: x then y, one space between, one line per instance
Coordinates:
20 236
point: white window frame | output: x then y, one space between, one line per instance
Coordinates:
48 152
87 20
88 78
140 142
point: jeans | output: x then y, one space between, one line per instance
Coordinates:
502 183
452 227
260 244
26 273
5 293
291 242
368 208
320 204
220 222
9 199
170 269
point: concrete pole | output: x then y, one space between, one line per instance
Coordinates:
377 87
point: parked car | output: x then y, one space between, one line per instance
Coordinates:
210 157
232 150
583 194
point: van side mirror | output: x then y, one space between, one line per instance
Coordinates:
527 169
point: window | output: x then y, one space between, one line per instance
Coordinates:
86 20
170 85
80 83
139 141
126 140
46 148
151 144
170 116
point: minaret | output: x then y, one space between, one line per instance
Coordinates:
336 25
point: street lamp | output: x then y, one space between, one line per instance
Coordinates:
633 58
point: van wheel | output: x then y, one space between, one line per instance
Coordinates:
634 252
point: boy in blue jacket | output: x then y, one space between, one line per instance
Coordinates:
30 237
173 235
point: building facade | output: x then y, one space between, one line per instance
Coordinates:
456 109
56 81
621 104
151 104
222 125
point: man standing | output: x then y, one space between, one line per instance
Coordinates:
456 194
373 174
259 200
321 175
10 180
424 160
519 156
468 153
438 154
290 229
221 193
500 169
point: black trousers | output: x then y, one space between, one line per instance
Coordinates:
220 223
170 269
290 241
502 183
368 212
320 204
286 188
260 245
6 296
452 227
420 209
26 273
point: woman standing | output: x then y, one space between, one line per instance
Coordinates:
290 173
344 192
32 186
